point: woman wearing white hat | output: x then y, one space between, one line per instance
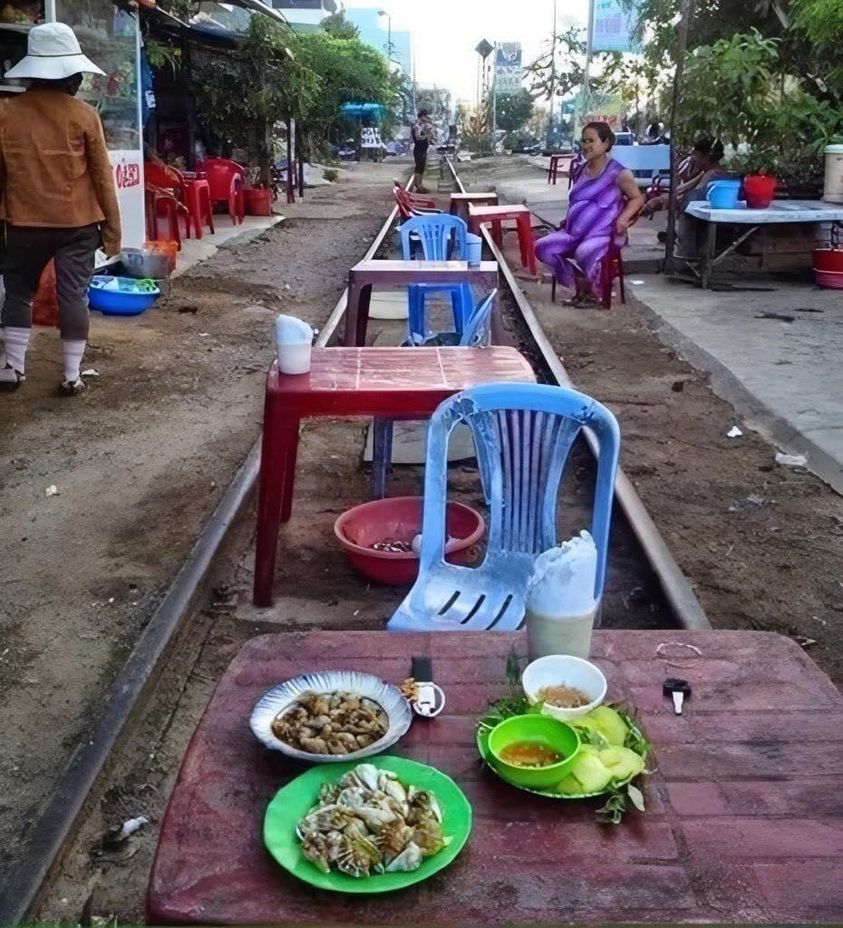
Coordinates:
59 198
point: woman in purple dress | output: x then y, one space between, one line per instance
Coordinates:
602 202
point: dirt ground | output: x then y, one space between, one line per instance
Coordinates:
139 462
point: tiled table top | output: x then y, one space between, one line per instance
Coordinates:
744 821
406 369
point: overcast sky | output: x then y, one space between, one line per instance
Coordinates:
446 31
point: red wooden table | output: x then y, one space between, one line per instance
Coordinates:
744 823
405 383
460 202
497 215
366 274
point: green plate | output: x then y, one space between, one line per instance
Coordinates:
482 738
292 802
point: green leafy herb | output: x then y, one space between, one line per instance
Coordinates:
618 803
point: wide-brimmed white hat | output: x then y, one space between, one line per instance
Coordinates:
53 53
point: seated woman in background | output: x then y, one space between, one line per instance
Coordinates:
602 202
700 168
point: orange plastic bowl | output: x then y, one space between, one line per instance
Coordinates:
399 518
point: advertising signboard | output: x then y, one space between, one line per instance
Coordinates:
613 26
508 70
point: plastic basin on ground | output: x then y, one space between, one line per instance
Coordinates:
127 300
399 519
828 268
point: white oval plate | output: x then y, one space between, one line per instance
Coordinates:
281 697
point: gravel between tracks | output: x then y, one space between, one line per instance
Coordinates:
139 463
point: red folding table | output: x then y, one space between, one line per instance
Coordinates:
405 383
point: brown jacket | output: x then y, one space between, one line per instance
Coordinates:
54 166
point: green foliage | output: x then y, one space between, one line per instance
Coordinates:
560 68
737 89
821 20
513 110
339 27
162 54
242 94
348 71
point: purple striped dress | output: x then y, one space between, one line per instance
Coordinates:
594 207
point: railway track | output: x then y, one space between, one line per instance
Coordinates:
646 565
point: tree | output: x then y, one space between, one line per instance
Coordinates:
513 110
348 71
339 27
242 94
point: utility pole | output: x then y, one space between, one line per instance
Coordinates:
494 100
687 11
552 78
582 100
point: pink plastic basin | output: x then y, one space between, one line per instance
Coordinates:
399 519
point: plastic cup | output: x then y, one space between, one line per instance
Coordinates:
473 249
294 359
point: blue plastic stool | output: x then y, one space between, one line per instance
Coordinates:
440 237
476 334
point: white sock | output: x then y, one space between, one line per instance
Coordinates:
73 352
17 341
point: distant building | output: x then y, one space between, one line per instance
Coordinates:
396 45
304 15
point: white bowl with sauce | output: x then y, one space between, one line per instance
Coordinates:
564 670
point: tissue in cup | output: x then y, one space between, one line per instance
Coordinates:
293 339
560 600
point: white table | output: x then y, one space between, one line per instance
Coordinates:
777 213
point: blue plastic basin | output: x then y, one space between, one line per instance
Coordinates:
723 194
127 300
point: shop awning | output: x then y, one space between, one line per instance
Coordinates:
255 6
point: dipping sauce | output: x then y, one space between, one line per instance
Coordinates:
530 754
563 696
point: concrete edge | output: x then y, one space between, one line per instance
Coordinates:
757 415
247 235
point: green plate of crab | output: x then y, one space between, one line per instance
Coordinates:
613 751
374 827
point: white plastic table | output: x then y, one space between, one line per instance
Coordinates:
777 213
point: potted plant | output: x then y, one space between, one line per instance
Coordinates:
759 184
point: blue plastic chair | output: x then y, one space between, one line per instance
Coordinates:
523 434
441 237
476 334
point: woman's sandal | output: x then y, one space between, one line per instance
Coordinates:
72 387
10 378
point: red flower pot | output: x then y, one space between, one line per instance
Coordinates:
759 190
258 201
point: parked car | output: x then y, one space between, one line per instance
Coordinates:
527 146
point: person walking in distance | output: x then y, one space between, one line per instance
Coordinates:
423 132
59 198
